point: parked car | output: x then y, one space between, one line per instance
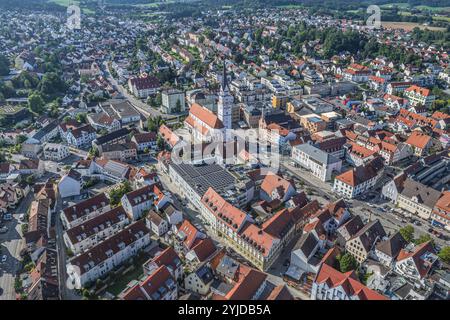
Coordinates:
4 258
3 229
7 217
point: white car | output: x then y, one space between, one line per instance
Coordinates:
4 257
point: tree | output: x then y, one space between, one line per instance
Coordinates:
178 106
51 83
4 65
21 138
93 152
444 254
81 117
347 263
407 233
153 124
116 194
29 180
36 103
160 143
424 238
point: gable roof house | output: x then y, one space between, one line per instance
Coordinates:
359 180
387 250
420 142
137 201
274 187
108 254
160 285
330 284
39 222
168 258
362 244
85 210
418 198
70 184
416 263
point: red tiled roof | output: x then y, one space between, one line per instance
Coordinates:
205 115
418 139
204 249
223 210
422 265
418 90
348 282
273 182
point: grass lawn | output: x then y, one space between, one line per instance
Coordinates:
434 9
64 3
123 280
395 4
135 274
441 18
291 6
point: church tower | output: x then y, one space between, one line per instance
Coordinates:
225 104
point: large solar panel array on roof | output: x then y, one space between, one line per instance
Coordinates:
202 177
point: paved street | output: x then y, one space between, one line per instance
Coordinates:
64 291
317 186
390 221
11 244
140 106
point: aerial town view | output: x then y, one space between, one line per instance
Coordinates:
224 150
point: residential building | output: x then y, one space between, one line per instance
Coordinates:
321 164
156 224
417 198
330 284
387 250
124 151
138 201
416 262
173 101
160 285
70 184
168 258
81 212
419 142
274 187
91 232
359 180
39 221
440 215
55 152
81 137
144 86
313 123
145 141
108 254
419 96
199 281
363 243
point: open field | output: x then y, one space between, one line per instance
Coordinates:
441 18
434 9
64 3
402 5
408 26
